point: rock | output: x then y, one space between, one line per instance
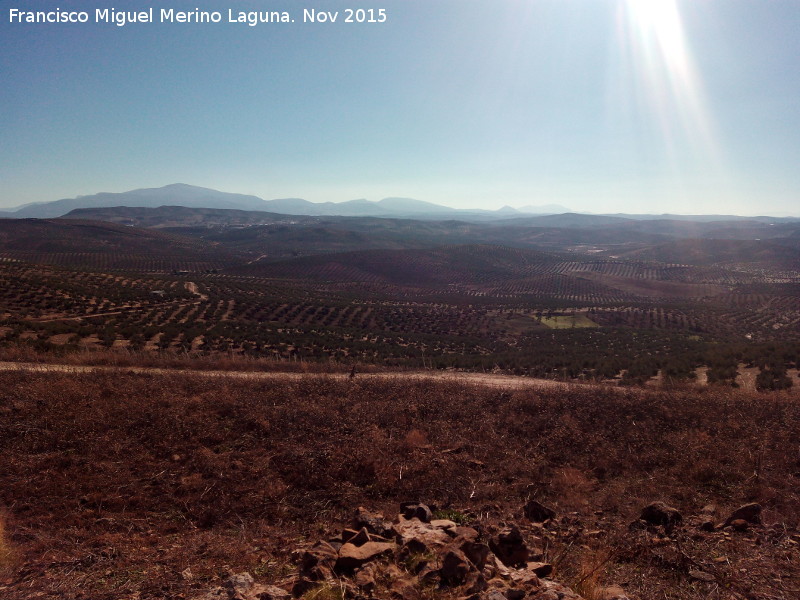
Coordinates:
477 553
430 557
418 511
707 525
659 513
430 576
509 547
500 569
373 522
404 588
239 583
612 592
537 512
455 568
701 576
241 586
269 592
443 524
749 512
413 547
709 509
352 557
364 578
463 532
554 591
407 530
525 579
475 583
540 568
535 553
357 538
638 525
317 560
739 524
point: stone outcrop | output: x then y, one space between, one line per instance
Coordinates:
242 587
658 513
537 512
406 558
749 513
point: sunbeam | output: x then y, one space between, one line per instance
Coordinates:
667 87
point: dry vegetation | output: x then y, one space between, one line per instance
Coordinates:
115 485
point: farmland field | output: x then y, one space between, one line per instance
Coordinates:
568 321
76 286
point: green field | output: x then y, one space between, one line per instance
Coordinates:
568 321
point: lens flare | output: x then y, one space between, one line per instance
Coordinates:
666 86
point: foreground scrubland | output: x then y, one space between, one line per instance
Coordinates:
159 486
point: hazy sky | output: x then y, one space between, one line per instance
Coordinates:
599 105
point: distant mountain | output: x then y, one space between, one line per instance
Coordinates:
409 205
547 209
179 194
568 220
181 216
175 194
551 215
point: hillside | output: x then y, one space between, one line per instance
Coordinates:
70 285
438 267
95 244
768 254
125 485
178 216
283 235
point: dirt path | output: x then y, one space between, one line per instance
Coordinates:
482 379
192 287
255 260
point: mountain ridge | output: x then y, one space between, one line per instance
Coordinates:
181 194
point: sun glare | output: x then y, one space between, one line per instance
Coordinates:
666 79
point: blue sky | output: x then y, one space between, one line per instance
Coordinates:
646 106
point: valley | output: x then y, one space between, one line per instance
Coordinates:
391 293
202 394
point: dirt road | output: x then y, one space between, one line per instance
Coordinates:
483 379
191 286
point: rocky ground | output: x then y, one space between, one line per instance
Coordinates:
146 486
417 556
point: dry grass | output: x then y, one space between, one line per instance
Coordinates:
8 556
120 482
193 361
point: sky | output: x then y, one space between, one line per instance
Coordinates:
603 106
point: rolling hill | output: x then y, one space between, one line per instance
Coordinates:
92 244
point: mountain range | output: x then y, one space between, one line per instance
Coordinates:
179 194
189 196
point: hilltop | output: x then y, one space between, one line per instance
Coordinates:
162 486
